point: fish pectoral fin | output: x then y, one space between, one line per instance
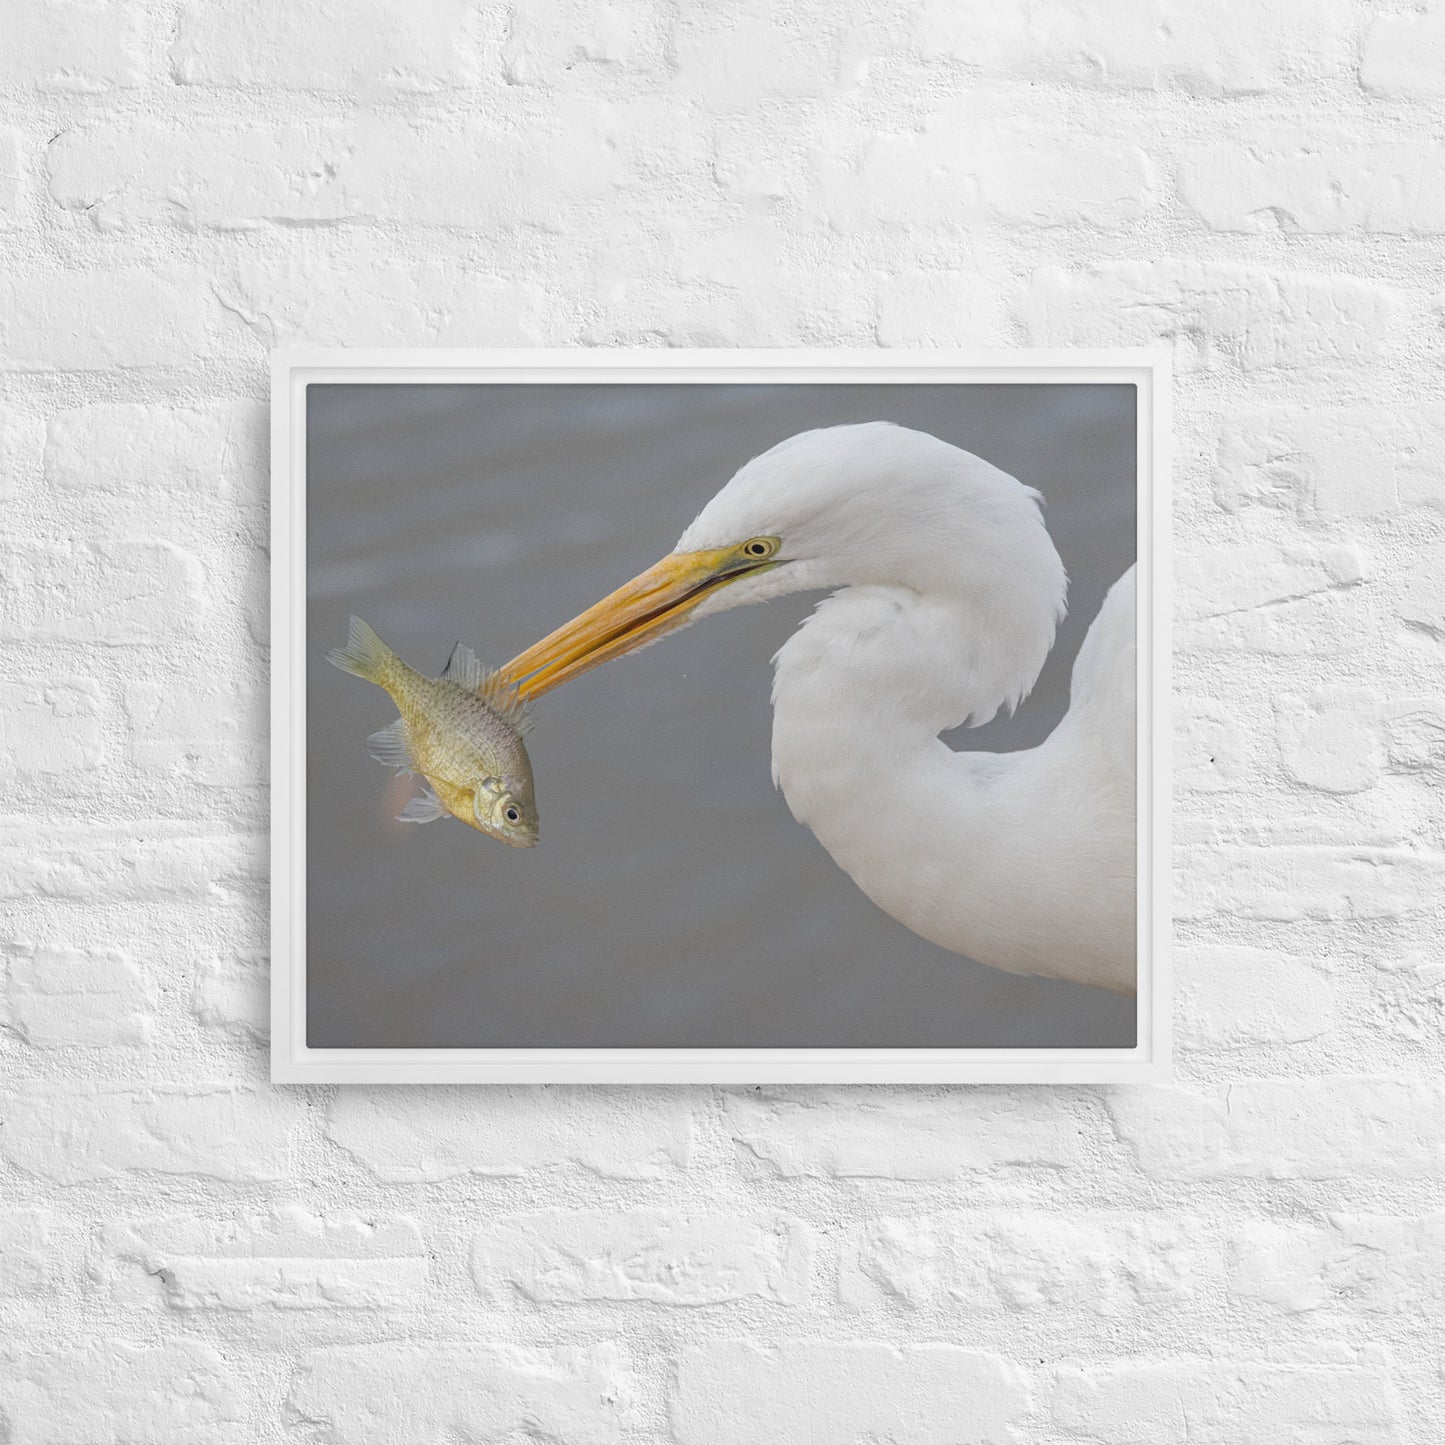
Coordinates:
464 669
391 746
424 809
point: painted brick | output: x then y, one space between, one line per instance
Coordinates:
833 1134
731 1390
1404 52
137 862
752 160
486 175
12 180
1330 740
637 312
1322 183
27 1255
661 1257
1377 1264
1211 749
22 437
255 598
231 995
1414 733
214 1131
135 450
112 591
289 1259
1213 315
1233 996
373 45
115 1393
1333 463
754 51
100 320
1422 590
1330 1128
1208 47
1409 996
422 1134
955 172
74 45
1323 620
543 45
1216 1402
1022 1261
49 727
939 308
1232 579
1029 178
1282 597
637 124
417 1394
63 996
211 731
431 302
804 302
1290 882
226 177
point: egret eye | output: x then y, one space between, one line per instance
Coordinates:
760 547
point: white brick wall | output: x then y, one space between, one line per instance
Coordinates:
189 1257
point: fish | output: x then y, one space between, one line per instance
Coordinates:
462 732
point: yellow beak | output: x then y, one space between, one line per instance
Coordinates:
650 606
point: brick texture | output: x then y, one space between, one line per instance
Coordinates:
189 1256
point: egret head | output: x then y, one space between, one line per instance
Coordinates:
843 506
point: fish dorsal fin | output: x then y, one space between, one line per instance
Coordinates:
391 746
463 668
504 700
502 697
426 808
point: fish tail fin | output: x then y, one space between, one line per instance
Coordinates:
364 655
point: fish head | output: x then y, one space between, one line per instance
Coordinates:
504 809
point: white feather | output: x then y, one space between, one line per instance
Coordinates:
950 592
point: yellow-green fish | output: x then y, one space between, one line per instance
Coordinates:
461 731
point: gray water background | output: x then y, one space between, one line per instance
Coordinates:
672 901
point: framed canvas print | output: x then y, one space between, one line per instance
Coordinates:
719 716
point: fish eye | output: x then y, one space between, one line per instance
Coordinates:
760 547
513 813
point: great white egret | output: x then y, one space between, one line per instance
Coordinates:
946 594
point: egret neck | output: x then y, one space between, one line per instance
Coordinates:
992 855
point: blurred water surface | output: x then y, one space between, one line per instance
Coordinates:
673 901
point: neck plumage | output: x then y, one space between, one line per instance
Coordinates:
860 695
962 848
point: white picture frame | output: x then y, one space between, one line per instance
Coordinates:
293 1062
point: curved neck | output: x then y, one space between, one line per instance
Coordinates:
860 694
963 848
